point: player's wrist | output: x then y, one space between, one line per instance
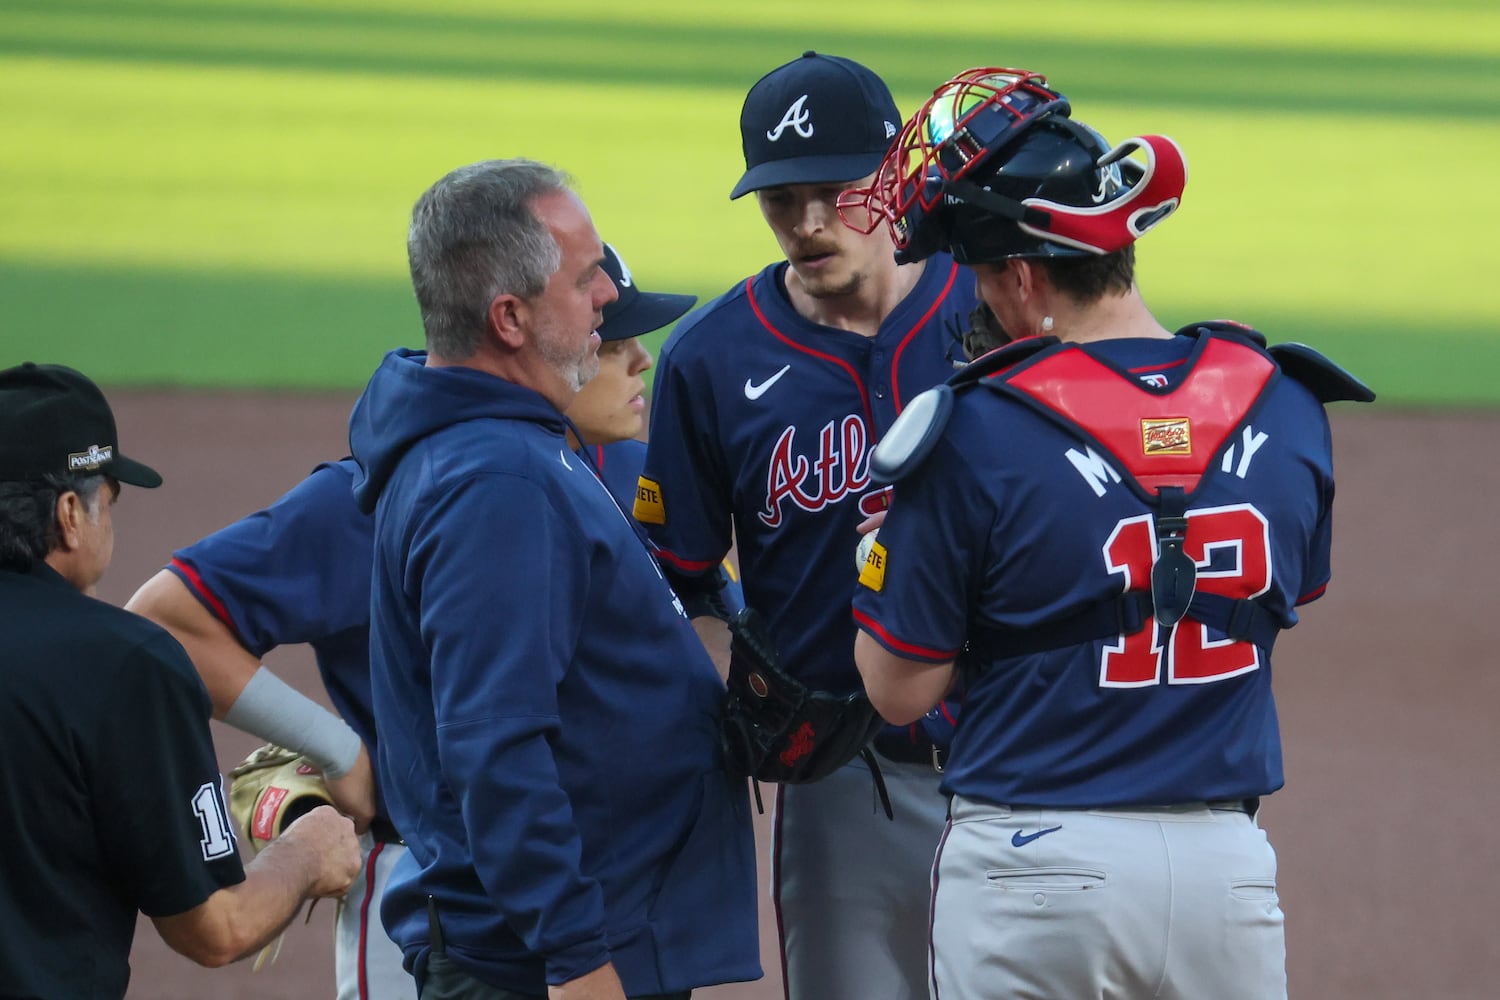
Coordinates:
270 708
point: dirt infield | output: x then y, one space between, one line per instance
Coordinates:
1388 694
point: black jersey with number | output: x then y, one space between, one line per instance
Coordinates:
112 797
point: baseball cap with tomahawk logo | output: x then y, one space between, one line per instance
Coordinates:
635 312
54 420
815 120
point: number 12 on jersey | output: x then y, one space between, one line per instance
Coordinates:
1231 547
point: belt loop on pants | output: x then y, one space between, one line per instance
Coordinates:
1250 806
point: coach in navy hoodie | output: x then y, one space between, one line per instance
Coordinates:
547 716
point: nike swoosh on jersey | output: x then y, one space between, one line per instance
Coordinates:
753 391
1022 839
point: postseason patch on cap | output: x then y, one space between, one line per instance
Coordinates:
649 508
91 459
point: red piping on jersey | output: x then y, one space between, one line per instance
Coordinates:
686 565
1312 596
870 625
1157 368
943 707
209 597
848 368
364 917
896 358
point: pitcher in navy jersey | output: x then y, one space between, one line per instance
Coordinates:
1101 527
766 404
299 571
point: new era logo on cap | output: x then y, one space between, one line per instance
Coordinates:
815 120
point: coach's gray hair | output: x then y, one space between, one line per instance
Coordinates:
475 235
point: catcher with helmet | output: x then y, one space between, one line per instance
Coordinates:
1101 527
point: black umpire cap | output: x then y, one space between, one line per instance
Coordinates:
54 420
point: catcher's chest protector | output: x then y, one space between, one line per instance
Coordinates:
1162 438
1168 441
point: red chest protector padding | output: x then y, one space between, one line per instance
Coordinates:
1161 438
1167 441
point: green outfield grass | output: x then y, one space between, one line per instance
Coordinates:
215 193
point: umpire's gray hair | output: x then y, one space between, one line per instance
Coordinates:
475 235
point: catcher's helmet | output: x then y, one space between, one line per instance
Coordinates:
992 166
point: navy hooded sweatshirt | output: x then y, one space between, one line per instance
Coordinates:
548 717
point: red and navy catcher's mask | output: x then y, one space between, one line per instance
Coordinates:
992 166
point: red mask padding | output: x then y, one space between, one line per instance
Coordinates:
1119 223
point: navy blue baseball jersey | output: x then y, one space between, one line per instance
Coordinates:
619 465
298 572
1036 518
762 424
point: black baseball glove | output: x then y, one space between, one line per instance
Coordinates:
777 729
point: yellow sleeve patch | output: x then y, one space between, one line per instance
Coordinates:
649 508
872 574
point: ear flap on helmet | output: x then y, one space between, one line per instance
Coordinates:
1118 223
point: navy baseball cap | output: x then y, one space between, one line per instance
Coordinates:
53 419
636 312
815 120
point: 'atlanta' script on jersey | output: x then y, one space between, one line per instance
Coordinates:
840 468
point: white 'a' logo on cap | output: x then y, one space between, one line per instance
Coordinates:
796 117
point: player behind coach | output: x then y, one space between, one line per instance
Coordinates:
112 794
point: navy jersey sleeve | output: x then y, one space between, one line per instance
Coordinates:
297 571
157 788
685 494
1319 568
916 598
495 698
621 465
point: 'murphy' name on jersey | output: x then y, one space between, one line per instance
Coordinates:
1097 472
840 468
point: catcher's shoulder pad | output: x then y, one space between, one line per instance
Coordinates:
911 437
1326 380
1225 326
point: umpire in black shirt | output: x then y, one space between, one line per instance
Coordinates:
111 794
